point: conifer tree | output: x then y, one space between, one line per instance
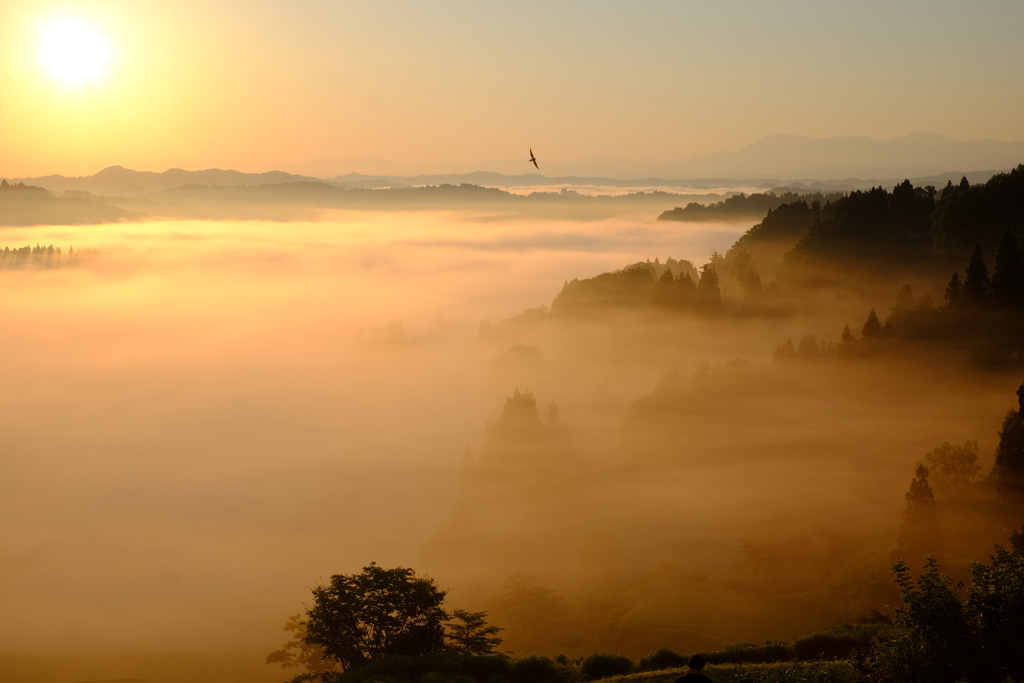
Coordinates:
707 289
977 287
687 287
784 352
1008 277
954 292
847 336
665 292
919 535
898 312
808 347
872 328
1008 473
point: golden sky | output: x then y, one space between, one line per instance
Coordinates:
261 84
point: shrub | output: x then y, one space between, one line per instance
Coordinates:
604 665
817 672
533 670
837 643
446 667
771 651
662 659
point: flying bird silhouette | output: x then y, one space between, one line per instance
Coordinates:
533 159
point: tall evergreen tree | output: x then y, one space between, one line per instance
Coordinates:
919 535
808 347
707 289
977 287
954 291
665 292
687 288
898 312
1008 473
872 328
784 352
1008 277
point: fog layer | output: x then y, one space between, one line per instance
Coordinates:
211 417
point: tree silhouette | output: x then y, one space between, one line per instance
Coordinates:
665 293
808 347
954 291
898 312
298 652
360 618
977 286
1008 277
469 634
784 352
687 289
919 534
707 288
872 328
952 469
1008 473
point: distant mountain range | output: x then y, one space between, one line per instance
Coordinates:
794 156
117 181
780 157
791 160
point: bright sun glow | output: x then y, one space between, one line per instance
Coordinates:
73 52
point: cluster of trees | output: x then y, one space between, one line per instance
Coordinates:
359 619
789 222
1003 290
871 225
743 205
943 636
43 257
389 624
907 316
807 350
22 204
679 287
9 189
980 309
949 505
907 226
965 215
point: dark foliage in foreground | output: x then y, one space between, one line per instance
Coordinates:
603 665
945 636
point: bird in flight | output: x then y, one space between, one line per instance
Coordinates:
533 159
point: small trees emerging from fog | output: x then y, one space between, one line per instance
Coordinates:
1004 290
807 350
43 257
672 286
709 295
919 533
1008 474
871 327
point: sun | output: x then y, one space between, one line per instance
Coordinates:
74 52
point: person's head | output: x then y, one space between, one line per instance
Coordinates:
696 662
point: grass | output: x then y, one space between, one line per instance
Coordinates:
782 672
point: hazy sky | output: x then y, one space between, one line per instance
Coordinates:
262 83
